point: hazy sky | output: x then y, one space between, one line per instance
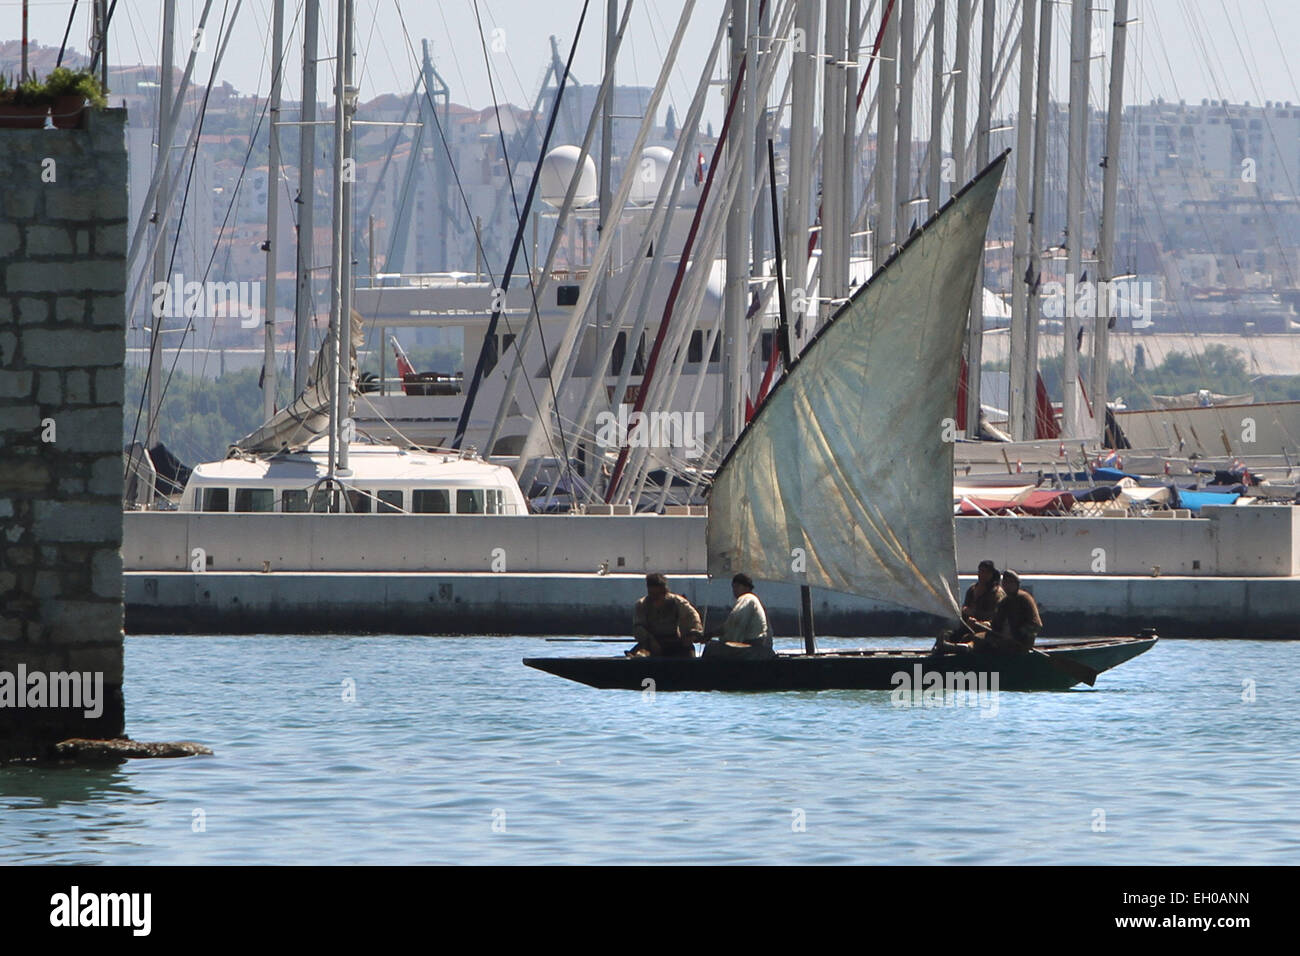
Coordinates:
1190 49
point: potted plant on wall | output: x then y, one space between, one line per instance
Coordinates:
61 98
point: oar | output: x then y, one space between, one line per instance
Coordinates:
588 640
1080 671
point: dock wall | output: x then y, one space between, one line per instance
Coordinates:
1228 542
558 604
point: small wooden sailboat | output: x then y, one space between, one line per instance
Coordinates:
842 481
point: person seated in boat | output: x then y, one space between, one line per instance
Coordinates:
663 623
977 610
983 597
1016 622
745 632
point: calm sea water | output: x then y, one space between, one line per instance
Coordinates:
455 752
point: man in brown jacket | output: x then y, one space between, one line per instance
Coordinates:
664 624
1016 622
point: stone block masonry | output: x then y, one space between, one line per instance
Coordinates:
63 222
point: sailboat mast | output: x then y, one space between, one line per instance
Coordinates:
803 85
934 181
761 16
960 91
905 14
605 187
886 134
983 121
349 106
1109 200
160 257
1037 210
1077 172
272 210
1021 364
740 151
302 309
806 620
832 206
338 251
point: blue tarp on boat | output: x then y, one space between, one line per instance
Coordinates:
1193 500
1111 474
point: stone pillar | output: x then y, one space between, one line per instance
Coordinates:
63 220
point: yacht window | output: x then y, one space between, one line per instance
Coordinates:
494 501
293 502
254 499
695 348
216 499
390 503
359 501
320 501
469 501
435 502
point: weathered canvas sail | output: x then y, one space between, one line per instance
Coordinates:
843 479
308 415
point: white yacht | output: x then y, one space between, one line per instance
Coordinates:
381 480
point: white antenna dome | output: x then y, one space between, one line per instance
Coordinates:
651 169
558 169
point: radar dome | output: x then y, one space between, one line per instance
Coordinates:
558 169
651 170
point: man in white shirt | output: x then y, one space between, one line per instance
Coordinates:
745 632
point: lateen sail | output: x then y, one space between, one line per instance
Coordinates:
843 479
308 415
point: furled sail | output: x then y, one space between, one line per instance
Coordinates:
308 415
843 479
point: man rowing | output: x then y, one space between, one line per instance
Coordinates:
664 624
983 597
977 610
745 632
1016 622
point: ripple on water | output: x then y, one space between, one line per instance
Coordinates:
453 752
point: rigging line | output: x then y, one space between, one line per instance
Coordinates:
460 188
523 92
1278 37
108 20
216 246
737 84
446 28
255 123
230 207
66 31
212 76
292 31
490 334
455 174
1276 148
446 146
1187 333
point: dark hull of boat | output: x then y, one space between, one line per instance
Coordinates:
852 669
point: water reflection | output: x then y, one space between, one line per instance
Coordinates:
29 786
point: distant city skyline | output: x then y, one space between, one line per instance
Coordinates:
1178 49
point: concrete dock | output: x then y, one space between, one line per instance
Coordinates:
178 602
1233 574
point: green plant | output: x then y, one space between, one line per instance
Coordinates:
60 82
